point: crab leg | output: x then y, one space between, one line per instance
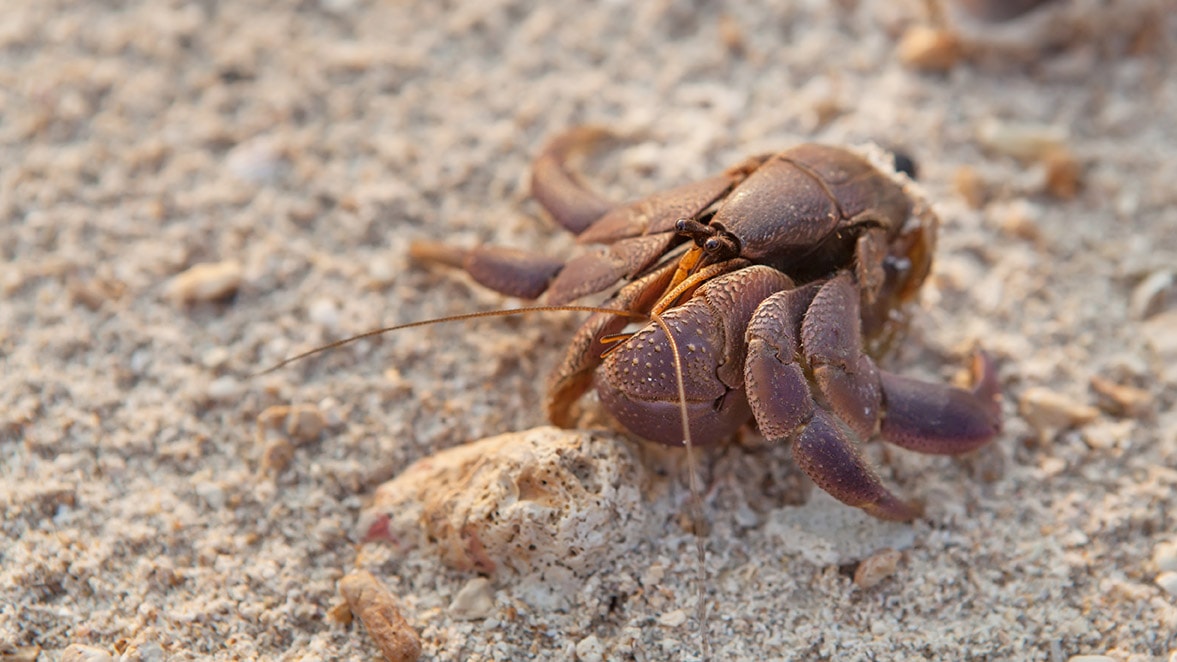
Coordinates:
572 204
920 416
510 271
933 418
832 460
783 405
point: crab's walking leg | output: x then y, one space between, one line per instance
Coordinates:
782 403
921 416
572 204
934 418
832 460
507 270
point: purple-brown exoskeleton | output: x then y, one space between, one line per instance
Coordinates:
778 279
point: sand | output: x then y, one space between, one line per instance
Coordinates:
298 148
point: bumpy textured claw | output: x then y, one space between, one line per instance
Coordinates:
574 376
799 328
637 381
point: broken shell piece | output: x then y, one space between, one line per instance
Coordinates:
1168 582
1164 556
1122 400
562 501
475 600
80 653
368 598
1153 294
875 569
1049 412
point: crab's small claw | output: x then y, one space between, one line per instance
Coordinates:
782 401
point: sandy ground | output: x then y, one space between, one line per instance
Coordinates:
303 146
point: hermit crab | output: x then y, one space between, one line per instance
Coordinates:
779 281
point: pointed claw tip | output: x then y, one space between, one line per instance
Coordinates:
986 385
896 510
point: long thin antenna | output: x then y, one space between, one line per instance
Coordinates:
440 320
696 493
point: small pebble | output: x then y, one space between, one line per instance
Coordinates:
1168 582
590 649
1022 140
1164 556
1064 173
1052 466
1020 218
325 313
877 568
1151 294
381 272
209 281
299 423
148 651
929 49
1102 435
305 423
1048 412
998 11
475 600
971 186
1090 658
277 456
224 388
214 358
673 619
257 161
337 6
93 292
1121 400
732 36
213 494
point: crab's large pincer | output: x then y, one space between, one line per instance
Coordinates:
784 409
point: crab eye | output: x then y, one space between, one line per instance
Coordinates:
712 245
